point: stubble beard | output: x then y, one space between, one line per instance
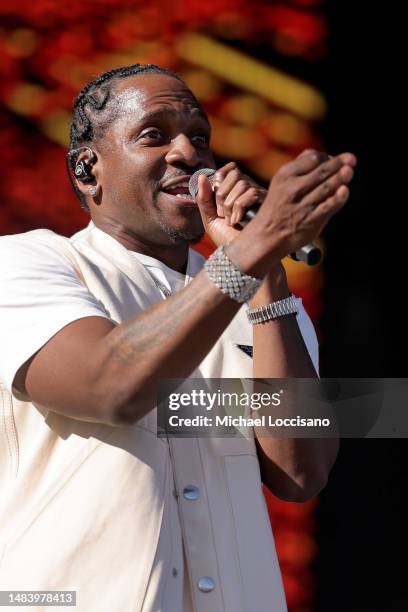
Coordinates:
178 236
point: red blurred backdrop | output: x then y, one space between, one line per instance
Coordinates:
248 63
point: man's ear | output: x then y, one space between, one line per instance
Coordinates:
85 172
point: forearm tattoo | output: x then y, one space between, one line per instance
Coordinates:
161 321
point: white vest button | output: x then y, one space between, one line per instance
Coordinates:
191 492
206 584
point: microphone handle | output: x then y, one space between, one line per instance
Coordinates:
310 254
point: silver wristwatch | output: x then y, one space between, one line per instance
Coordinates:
280 308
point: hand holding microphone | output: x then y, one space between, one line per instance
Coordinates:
309 254
302 197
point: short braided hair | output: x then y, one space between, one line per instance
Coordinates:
91 116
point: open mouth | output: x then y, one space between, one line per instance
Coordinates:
179 194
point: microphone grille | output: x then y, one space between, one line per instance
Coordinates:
193 182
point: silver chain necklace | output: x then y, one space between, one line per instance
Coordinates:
162 288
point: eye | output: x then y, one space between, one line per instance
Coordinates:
153 134
202 139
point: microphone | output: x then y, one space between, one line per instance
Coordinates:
309 254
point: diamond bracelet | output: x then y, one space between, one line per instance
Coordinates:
229 279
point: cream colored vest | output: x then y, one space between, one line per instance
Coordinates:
82 504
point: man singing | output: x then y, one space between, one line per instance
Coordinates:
92 500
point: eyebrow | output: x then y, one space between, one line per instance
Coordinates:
167 113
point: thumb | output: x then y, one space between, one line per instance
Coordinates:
205 200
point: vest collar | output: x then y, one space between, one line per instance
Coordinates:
123 259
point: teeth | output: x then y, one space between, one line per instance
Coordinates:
184 184
183 195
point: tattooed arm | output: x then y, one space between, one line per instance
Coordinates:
94 371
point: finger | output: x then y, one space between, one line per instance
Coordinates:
329 187
319 175
305 162
239 188
223 189
222 172
218 178
348 158
310 159
242 203
325 211
306 152
205 200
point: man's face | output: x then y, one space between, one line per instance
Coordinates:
158 139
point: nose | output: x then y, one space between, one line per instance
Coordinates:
182 150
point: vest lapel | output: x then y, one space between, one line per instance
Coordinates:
122 259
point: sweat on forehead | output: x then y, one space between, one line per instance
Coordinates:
138 93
